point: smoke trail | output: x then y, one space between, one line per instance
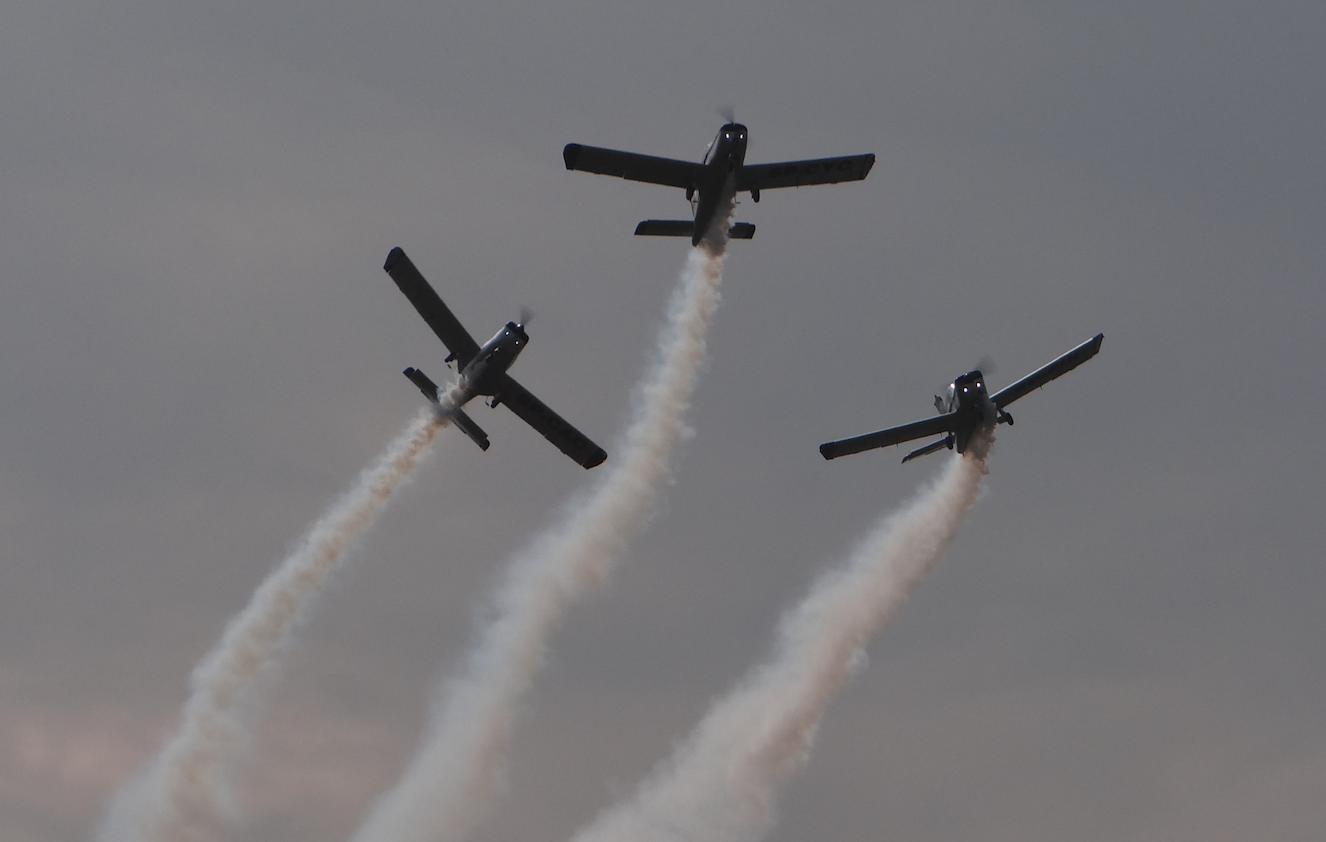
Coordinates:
721 784
460 766
183 795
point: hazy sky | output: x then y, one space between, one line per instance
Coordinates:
199 350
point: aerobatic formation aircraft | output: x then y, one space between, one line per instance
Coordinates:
483 369
966 410
721 175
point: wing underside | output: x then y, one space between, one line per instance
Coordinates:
1046 373
632 166
804 173
447 327
552 426
894 435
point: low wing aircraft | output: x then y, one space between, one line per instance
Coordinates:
721 175
967 409
483 369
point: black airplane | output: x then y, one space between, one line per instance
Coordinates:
483 369
718 178
967 410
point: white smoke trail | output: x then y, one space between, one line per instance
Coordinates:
459 767
184 795
721 784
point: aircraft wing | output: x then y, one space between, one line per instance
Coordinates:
554 428
632 167
799 173
894 435
1045 374
447 327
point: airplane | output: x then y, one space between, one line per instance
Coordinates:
967 410
483 369
720 176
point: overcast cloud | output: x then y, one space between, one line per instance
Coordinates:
199 350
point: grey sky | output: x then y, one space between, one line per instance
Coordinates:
198 350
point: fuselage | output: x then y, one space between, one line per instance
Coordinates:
484 374
722 163
969 398
728 150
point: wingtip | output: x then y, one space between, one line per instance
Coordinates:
597 459
393 256
1093 345
827 450
570 153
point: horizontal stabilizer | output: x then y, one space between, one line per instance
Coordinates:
428 387
467 426
686 228
665 228
946 441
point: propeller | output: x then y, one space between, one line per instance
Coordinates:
728 112
526 316
986 365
